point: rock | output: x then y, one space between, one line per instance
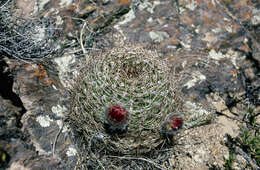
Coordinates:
45 111
212 48
9 118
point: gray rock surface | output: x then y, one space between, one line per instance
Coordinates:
212 46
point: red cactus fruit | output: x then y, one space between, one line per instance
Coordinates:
171 125
116 119
117 114
176 123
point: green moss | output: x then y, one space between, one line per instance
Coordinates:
250 137
4 158
229 162
227 2
247 143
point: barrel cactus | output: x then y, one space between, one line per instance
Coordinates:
126 89
132 77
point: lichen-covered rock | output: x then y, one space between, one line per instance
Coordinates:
212 48
9 119
43 121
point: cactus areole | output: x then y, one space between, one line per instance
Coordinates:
117 114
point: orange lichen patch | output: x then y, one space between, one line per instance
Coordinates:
242 3
247 15
234 75
7 146
148 29
211 5
41 73
228 24
198 1
209 20
160 20
67 142
73 8
236 27
179 32
186 19
249 3
124 2
245 48
192 96
174 41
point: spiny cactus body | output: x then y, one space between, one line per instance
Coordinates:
128 89
131 77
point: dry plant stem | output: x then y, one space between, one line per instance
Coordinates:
56 138
4 4
81 38
100 164
17 57
28 40
142 159
247 158
79 162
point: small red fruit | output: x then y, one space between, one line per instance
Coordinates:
117 114
176 123
171 124
116 119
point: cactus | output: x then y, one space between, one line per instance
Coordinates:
128 76
137 84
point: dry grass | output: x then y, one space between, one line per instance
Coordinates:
26 39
